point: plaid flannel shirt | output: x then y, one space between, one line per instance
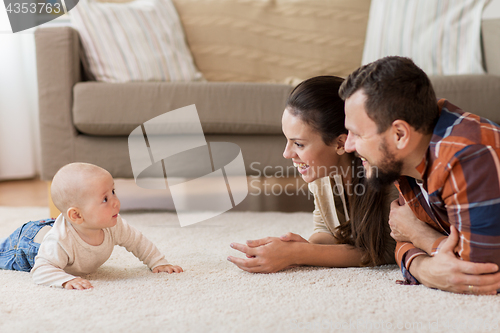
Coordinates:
461 174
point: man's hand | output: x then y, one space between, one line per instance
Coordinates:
168 268
406 227
267 255
77 283
446 272
402 222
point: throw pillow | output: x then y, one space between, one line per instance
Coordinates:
443 37
142 40
269 40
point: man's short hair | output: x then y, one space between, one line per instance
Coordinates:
395 88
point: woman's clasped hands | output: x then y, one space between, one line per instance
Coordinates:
269 254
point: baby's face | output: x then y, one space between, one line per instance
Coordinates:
101 206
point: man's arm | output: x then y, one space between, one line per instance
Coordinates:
471 193
446 272
443 271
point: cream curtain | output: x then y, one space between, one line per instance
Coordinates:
19 138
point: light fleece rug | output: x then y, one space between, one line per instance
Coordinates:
213 295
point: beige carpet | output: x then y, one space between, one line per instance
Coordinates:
213 295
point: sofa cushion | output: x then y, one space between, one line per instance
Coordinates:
224 108
478 94
490 30
259 41
262 154
236 108
138 41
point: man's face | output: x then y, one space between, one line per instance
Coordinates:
375 150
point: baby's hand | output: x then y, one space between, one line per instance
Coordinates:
168 268
77 283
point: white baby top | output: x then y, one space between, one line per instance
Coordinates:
63 255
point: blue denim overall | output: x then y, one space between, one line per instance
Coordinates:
18 251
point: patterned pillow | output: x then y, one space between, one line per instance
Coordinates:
141 40
443 37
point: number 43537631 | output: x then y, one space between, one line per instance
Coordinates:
46 8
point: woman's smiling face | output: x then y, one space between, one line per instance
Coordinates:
306 148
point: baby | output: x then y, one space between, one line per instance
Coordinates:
82 238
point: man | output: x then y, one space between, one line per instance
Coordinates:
446 164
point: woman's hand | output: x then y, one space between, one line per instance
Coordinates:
291 237
268 255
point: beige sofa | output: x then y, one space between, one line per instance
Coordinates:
247 51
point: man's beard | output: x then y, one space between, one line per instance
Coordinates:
387 172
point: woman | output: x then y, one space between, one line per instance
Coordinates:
350 218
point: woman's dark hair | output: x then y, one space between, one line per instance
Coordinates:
317 103
367 228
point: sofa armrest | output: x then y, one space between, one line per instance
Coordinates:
58 70
491 41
